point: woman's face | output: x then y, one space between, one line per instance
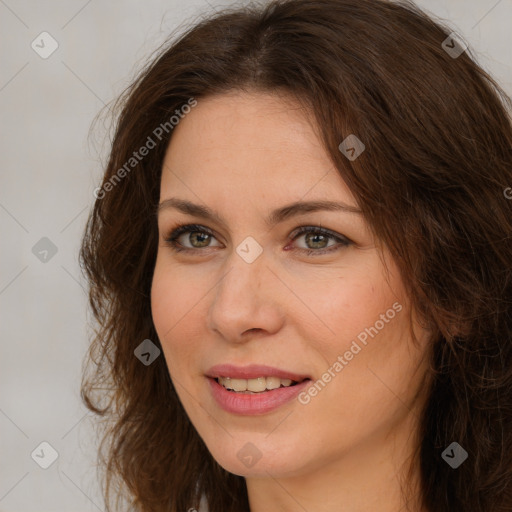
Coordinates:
249 288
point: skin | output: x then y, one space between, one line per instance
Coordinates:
243 155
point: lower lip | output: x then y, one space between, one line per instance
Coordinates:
258 403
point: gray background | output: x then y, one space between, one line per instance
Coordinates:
49 171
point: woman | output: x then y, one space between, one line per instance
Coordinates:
300 266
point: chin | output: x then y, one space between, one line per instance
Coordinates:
255 456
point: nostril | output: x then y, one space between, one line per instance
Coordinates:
257 329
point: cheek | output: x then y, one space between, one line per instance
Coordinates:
173 298
162 301
172 304
347 304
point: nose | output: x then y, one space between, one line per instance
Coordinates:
247 299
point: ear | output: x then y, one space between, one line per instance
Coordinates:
454 327
448 324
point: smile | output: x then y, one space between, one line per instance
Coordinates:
258 385
251 403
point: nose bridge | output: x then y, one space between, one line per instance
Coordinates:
244 298
240 289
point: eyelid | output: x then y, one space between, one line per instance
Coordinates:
318 228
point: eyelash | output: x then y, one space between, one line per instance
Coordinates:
171 239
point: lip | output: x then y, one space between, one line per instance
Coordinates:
252 371
253 404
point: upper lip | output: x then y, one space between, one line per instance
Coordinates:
252 371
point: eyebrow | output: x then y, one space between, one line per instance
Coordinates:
275 217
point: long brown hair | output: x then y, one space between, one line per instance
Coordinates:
432 183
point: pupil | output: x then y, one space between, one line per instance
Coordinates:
202 238
323 238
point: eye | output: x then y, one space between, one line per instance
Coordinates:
317 240
199 237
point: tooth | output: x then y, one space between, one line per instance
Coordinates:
239 384
256 385
273 382
225 381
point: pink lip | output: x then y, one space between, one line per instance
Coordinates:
252 404
253 371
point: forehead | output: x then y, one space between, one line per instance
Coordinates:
250 143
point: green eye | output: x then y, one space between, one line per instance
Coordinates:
199 237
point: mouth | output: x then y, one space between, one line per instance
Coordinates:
254 389
256 386
242 401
